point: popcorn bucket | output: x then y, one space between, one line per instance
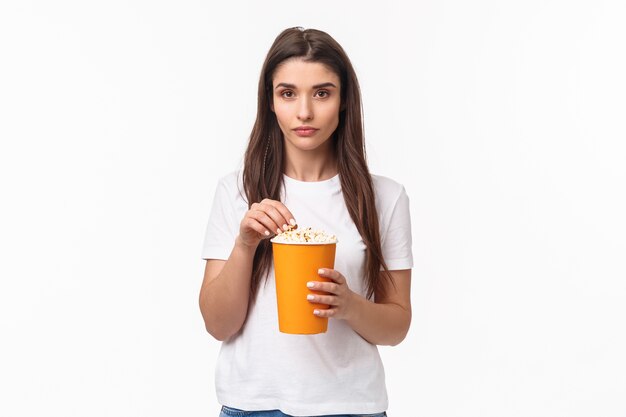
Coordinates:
295 264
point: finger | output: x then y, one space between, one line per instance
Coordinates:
257 227
330 300
332 274
284 211
329 287
265 220
275 215
329 312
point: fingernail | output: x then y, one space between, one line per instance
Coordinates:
310 284
293 222
278 231
267 233
320 271
317 312
310 297
285 227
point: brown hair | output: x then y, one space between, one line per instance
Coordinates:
264 157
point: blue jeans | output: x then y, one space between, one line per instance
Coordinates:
235 412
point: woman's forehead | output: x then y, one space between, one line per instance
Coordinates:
303 73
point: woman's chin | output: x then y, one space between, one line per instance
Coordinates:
305 144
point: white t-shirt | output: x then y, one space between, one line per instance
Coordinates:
337 372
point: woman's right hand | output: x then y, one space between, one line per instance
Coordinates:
264 219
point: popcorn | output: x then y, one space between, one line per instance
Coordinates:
306 236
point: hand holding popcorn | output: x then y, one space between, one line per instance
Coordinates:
263 220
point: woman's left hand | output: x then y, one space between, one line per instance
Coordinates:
340 298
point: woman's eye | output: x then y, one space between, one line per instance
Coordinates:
287 94
323 93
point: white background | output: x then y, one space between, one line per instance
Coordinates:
504 120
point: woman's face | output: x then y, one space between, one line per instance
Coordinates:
306 101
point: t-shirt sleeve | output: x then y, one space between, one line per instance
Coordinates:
223 227
396 241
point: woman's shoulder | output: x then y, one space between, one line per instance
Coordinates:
231 184
231 180
386 187
389 194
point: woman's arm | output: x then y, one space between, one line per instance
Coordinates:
384 322
225 292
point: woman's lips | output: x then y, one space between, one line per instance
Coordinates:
305 131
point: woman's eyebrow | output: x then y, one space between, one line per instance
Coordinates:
287 85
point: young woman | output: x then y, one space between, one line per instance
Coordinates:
305 164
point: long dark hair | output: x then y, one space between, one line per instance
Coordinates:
264 157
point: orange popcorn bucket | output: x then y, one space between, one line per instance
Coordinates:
295 264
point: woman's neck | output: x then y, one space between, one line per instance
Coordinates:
310 166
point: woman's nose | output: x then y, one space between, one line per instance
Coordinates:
305 112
